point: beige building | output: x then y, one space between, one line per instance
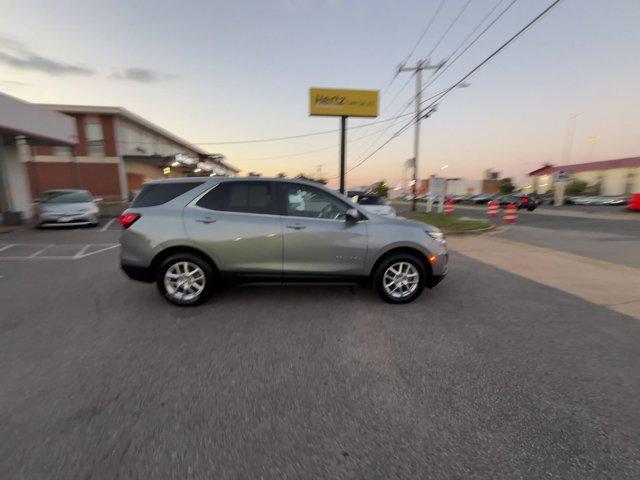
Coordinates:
116 151
608 177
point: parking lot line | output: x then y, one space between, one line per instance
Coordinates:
81 251
107 225
85 255
75 251
40 251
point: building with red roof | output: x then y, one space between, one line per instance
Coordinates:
610 177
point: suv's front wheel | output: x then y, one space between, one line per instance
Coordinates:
185 279
400 278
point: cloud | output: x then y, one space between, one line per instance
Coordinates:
143 75
17 55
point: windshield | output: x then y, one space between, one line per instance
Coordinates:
66 197
371 200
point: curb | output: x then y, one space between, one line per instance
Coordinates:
466 232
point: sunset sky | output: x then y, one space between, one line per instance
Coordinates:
216 71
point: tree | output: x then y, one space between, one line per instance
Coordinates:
505 186
380 188
302 176
282 175
576 187
254 174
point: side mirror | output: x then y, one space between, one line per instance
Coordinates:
36 200
352 215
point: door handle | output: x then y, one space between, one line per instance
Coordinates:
206 220
296 227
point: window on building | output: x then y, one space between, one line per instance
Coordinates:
95 138
62 152
245 197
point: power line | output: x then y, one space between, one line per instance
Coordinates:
455 59
446 32
424 32
465 77
290 137
306 152
446 67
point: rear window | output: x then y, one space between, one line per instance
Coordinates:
246 197
159 193
61 196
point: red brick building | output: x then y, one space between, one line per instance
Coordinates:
116 152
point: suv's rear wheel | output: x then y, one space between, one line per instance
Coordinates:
400 278
185 279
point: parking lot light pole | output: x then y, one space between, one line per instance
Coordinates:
343 144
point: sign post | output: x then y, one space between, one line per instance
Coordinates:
437 187
333 102
561 182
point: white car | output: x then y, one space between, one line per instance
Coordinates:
67 207
377 205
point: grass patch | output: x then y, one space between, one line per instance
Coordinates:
448 222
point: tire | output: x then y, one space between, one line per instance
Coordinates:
406 265
200 279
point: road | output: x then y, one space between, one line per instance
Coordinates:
615 240
489 375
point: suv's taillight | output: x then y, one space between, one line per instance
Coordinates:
127 219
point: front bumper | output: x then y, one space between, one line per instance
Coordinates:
62 220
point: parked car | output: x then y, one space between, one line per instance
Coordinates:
484 198
522 201
376 204
354 194
191 235
67 207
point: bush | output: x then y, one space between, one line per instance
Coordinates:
576 187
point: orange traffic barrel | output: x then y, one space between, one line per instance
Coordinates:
510 213
448 206
493 209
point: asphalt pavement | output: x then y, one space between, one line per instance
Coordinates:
489 375
613 240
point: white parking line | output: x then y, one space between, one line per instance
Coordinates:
76 251
81 251
99 251
40 251
107 225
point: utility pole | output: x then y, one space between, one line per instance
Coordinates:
417 71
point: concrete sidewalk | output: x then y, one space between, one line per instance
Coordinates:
563 212
611 285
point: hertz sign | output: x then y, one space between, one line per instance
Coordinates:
335 102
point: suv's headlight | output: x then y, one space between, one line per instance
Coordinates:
436 235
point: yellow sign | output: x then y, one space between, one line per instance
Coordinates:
336 102
166 170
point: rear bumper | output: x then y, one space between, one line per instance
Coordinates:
135 272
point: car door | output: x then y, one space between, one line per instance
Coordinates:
318 239
238 224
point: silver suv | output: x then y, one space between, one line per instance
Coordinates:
192 235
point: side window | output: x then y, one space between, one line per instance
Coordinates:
159 193
306 201
244 197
